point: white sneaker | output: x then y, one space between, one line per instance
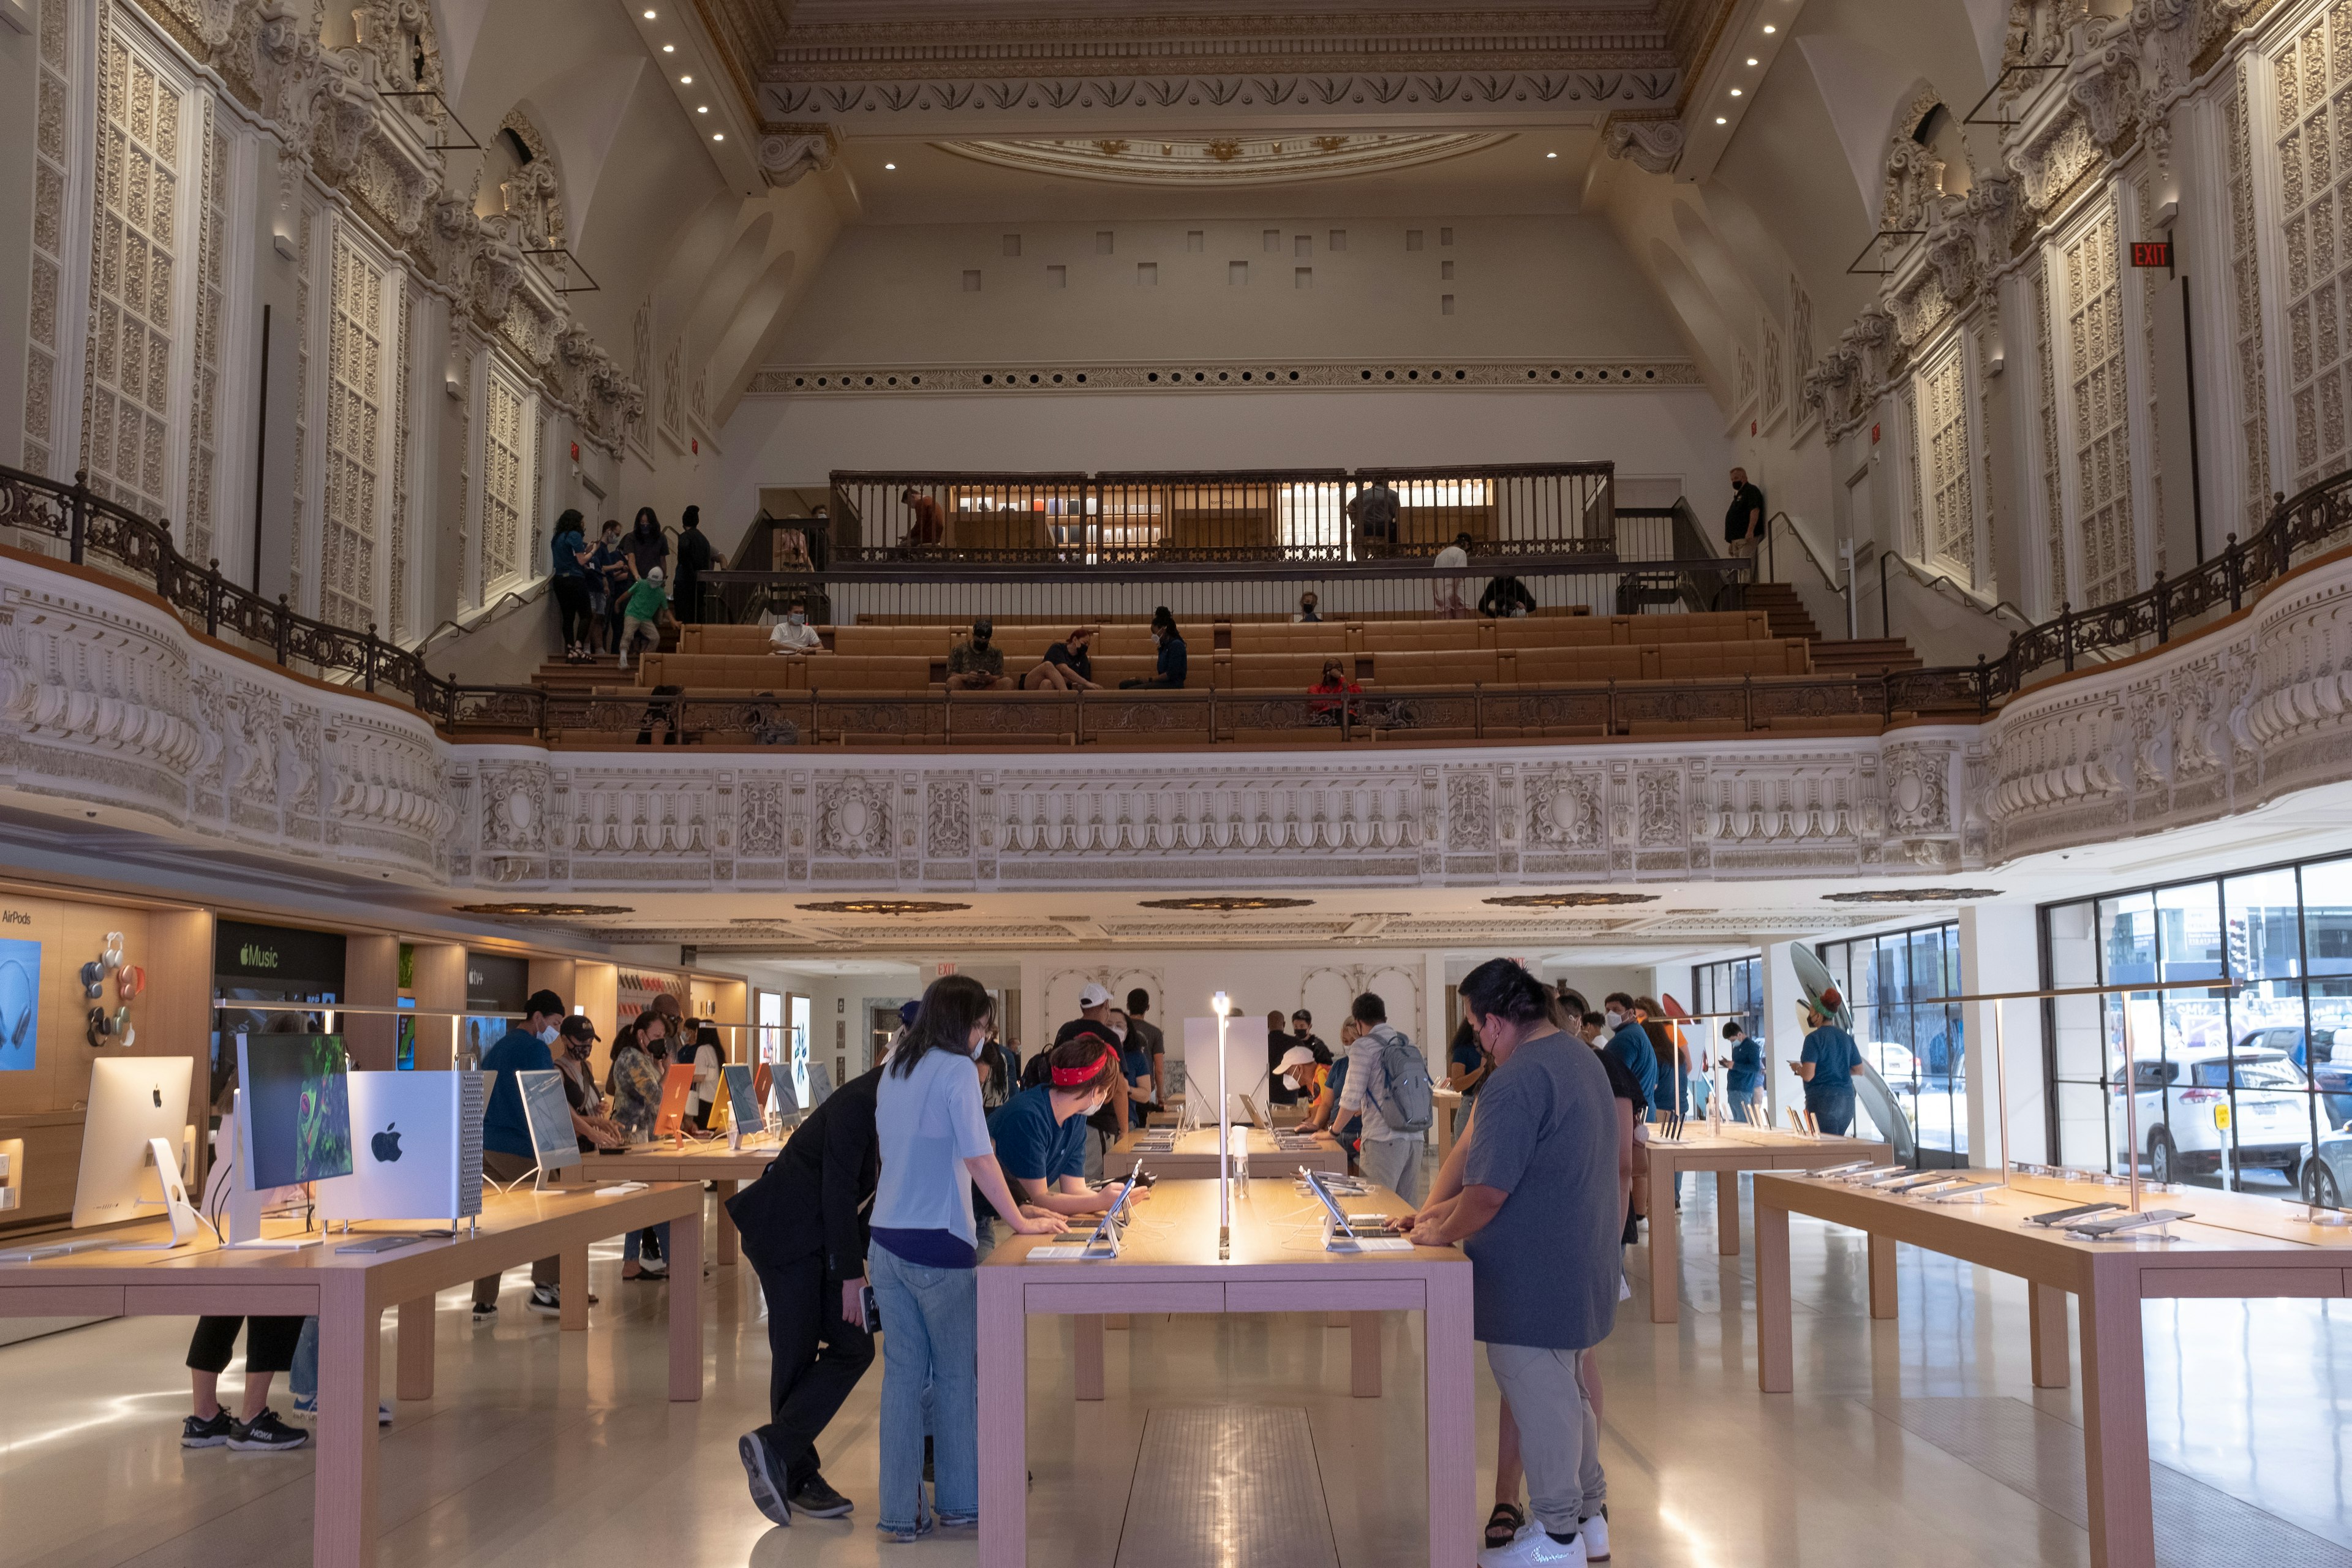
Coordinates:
1533 1546
1595 1534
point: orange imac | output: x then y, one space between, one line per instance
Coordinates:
675 1086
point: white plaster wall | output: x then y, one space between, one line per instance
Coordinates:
1521 286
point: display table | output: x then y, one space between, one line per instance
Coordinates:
348 1293
2247 1255
1195 1157
1726 1150
701 1160
1276 1265
1450 1106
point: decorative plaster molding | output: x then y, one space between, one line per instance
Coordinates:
1255 375
1655 145
1222 161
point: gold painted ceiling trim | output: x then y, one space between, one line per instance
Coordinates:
1222 161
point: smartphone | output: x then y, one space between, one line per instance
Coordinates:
2060 1216
872 1312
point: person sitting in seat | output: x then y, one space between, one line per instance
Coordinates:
1307 611
929 528
1067 667
1449 589
1506 598
794 634
977 665
1169 672
1336 682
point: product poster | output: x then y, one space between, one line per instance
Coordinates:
20 1004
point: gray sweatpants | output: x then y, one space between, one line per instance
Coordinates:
1395 1163
1559 1442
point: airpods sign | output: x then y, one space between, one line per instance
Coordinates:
305 960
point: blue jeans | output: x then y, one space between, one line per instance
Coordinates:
633 1245
931 1339
304 1376
1833 1110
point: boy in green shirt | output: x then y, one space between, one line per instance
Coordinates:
640 612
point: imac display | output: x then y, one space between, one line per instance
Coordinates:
294 1105
133 1100
677 1083
743 1097
549 1115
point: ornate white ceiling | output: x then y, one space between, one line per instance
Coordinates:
1223 162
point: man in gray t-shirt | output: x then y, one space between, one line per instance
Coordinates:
1531 1195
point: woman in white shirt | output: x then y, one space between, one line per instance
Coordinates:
935 1148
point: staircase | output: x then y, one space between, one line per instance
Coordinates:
1862 656
562 680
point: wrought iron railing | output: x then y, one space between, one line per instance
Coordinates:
86 525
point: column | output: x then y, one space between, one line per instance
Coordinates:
1999 951
438 976
371 978
1784 1035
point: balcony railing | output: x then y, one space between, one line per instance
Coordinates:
1292 515
88 526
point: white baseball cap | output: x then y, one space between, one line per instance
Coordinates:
1296 1057
1092 996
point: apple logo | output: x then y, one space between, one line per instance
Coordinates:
385 1145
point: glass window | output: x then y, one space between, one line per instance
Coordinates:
1897 985
2231 1086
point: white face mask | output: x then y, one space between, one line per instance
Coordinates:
548 1035
1616 1019
796 618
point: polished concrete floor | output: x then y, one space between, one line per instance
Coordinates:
1920 1441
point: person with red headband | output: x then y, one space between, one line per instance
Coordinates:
1041 1133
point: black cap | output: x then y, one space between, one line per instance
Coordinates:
545 1003
578 1027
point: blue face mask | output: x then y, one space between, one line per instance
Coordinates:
795 619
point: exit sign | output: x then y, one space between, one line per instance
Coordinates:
2152 253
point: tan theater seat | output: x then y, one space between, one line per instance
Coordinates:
1274 671
1318 637
897 672
1434 668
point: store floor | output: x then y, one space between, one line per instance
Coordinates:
1921 1441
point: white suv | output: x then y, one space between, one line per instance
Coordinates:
2179 1094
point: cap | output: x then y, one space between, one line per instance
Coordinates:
1092 996
907 1011
578 1027
1296 1057
547 1003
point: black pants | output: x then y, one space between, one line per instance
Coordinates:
687 605
816 1359
572 610
269 1343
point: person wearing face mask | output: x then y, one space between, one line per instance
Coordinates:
1041 1133
935 1148
591 1123
507 1153
794 634
1171 666
1067 667
976 664
608 574
1628 1042
1307 611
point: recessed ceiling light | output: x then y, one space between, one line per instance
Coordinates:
1771 29
1752 59
703 109
687 80
1734 92
889 166
1551 154
719 136
649 16
1719 119
669 48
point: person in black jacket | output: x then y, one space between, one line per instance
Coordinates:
802 1225
694 558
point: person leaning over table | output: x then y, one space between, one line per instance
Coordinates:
1536 1208
1827 1063
507 1153
635 1082
1041 1136
935 1147
1332 1080
1389 1153
1743 1082
802 1225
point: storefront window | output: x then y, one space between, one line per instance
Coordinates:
2232 1087
1895 984
1735 986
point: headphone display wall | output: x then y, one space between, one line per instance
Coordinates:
130 980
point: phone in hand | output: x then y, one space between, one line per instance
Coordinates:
870 1310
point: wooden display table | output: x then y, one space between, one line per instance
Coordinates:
1195 1157
1276 1265
701 1160
348 1293
1450 1105
1727 1150
2247 1254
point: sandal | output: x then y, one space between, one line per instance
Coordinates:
1503 1525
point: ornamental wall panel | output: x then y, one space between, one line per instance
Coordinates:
205 410
506 456
2313 130
48 323
1945 461
2246 318
361 292
2099 399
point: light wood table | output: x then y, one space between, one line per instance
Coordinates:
700 1161
1727 1150
1275 1264
1195 1157
2246 1254
348 1293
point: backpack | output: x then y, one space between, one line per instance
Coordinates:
1403 1094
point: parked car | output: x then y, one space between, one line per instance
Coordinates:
2177 1099
2317 1057
2327 1170
1894 1063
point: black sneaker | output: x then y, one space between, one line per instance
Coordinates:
485 1310
545 1301
767 1478
196 1432
265 1433
817 1500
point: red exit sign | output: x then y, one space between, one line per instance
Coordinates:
2152 253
